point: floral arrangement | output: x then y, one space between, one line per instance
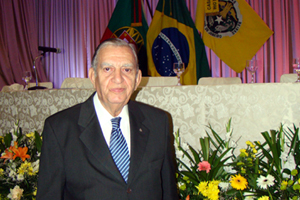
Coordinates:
264 170
19 164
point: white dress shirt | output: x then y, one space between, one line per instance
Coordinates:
104 118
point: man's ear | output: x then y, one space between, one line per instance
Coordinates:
92 76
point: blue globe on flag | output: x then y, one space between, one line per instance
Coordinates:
170 46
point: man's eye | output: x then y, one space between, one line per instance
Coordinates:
127 70
107 69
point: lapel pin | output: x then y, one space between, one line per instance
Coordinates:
140 130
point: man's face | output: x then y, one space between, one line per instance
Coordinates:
116 78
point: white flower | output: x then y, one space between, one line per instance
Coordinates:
35 166
290 163
224 186
233 144
179 184
12 174
264 182
284 153
14 138
179 154
186 161
16 193
227 137
249 198
20 177
228 154
229 169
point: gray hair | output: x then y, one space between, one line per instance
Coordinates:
116 42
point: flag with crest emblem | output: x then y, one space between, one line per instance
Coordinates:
128 23
235 33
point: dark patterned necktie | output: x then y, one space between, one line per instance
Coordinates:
119 149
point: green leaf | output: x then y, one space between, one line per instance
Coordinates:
204 143
220 141
38 141
195 155
7 140
186 154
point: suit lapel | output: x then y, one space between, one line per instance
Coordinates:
94 140
139 138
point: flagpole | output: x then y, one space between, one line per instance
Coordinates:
149 8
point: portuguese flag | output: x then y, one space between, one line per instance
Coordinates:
173 38
128 23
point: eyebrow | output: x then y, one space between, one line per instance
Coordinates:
128 65
106 64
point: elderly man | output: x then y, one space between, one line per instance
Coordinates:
108 147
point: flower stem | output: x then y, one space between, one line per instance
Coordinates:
271 197
241 194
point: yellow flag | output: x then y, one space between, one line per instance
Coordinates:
235 33
212 6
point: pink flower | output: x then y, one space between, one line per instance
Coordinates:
204 166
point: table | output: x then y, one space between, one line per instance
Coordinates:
32 107
253 107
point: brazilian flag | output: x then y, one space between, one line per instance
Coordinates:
128 23
172 37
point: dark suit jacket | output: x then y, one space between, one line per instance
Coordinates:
76 162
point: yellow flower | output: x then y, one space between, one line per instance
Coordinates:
294 172
263 198
284 183
186 179
34 192
213 190
296 187
181 186
243 170
290 182
202 187
30 135
238 182
243 152
214 183
2 139
213 194
250 144
26 168
1 172
240 163
254 150
283 187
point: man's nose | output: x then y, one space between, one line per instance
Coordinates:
118 76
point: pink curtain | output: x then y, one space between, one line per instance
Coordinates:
18 41
76 27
